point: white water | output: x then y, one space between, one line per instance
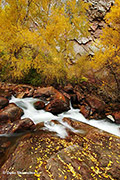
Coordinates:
42 116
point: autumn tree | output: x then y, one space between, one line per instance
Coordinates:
107 60
39 35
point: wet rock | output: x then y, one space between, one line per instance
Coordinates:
58 102
38 127
77 125
22 125
116 116
85 110
55 121
11 112
17 126
39 105
3 102
57 106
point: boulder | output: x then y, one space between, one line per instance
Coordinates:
39 105
48 93
45 92
17 126
57 106
58 102
95 103
3 102
10 113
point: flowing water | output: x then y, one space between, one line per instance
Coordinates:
42 116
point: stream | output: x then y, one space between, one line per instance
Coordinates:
42 116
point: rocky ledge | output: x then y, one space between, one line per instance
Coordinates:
96 13
88 154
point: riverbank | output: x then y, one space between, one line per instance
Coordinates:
92 103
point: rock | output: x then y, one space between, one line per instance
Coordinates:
68 88
96 13
74 101
94 26
6 94
22 91
93 107
77 99
38 127
39 105
44 92
17 126
21 95
97 33
55 122
80 96
116 116
22 125
57 106
58 102
3 102
6 144
92 155
84 128
11 112
95 103
85 110
19 91
115 107
47 92
66 95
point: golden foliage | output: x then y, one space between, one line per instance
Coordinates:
110 38
77 72
36 34
108 58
